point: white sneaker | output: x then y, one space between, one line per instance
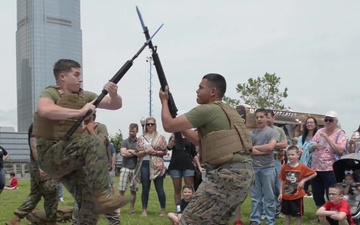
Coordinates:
61 199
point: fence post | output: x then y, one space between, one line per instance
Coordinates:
14 168
23 170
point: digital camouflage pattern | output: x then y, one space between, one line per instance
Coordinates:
84 210
81 165
40 187
218 196
38 217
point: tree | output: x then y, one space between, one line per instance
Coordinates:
263 92
231 101
116 140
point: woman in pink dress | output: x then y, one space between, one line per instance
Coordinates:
330 145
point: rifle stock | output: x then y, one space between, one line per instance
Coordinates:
179 143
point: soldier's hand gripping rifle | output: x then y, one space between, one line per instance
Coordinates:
179 143
115 79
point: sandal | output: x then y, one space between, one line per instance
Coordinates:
144 214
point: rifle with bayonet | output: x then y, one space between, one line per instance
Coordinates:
115 79
179 143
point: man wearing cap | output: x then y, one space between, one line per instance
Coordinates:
330 145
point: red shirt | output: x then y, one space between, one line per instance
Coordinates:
343 206
13 182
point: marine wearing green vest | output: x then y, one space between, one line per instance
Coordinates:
80 161
225 148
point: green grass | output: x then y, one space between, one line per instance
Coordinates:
10 200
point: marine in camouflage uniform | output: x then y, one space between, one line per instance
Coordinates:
225 148
83 209
40 186
79 162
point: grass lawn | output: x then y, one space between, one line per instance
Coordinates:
10 200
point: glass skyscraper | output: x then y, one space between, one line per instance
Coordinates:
47 30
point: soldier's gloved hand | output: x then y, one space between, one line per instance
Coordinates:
111 88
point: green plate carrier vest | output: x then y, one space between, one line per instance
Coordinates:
218 147
56 129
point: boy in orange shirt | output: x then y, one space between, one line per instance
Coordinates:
293 176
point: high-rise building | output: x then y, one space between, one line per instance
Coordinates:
47 30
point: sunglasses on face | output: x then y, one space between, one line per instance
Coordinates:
150 124
329 120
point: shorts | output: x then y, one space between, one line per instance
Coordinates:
181 173
125 177
335 222
111 177
293 208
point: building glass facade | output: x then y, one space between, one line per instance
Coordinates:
16 144
47 30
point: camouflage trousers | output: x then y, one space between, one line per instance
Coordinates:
81 165
63 158
40 187
218 196
84 212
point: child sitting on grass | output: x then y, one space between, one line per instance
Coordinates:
336 211
188 193
13 182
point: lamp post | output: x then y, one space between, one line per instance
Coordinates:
142 122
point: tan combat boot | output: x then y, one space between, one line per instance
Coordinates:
14 221
106 203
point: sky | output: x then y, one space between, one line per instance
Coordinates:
312 45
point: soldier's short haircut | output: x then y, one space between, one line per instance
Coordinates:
218 81
64 65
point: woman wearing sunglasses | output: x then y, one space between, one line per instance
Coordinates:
150 167
330 145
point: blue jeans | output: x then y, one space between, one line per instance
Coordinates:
146 182
277 164
262 195
320 185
